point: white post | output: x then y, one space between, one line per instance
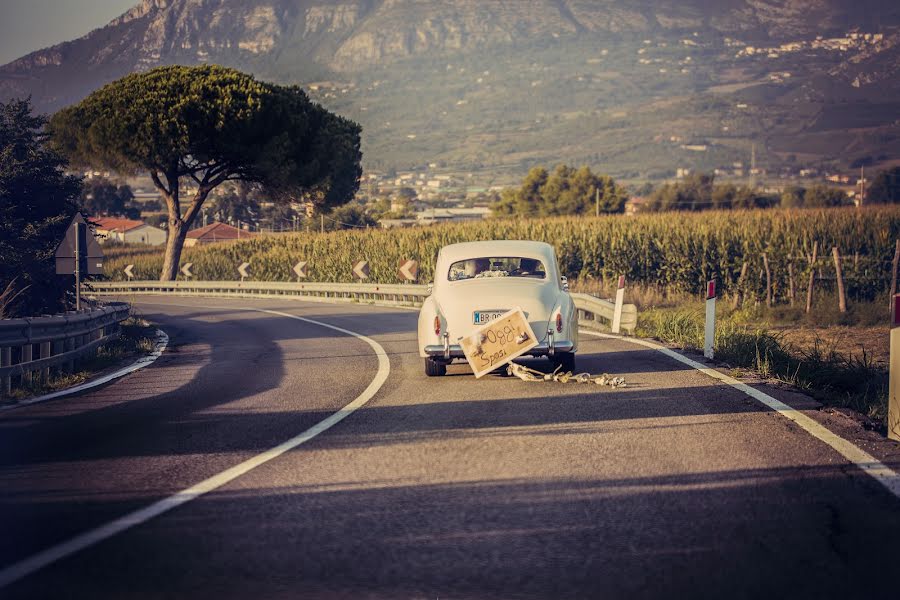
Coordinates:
894 376
620 301
710 319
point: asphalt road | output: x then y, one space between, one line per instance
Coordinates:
676 486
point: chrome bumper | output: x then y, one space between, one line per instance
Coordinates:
455 350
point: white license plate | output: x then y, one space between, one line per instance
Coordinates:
486 316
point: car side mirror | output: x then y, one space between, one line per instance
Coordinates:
565 283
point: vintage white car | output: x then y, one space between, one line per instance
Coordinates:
476 282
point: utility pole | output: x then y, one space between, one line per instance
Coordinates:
862 185
752 182
322 217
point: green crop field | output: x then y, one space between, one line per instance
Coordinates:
676 251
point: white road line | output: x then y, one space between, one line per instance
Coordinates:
78 543
162 340
862 459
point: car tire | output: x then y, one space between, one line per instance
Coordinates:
435 368
565 361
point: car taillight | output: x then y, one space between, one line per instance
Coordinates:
559 322
437 326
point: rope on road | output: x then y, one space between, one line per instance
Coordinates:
526 374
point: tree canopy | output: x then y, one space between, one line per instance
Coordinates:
699 191
101 197
37 201
885 188
202 126
566 191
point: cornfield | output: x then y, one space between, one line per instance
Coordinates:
678 251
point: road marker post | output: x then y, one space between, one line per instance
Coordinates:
894 373
710 337
620 302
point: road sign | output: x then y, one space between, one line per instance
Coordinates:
78 242
499 341
409 270
186 269
361 269
300 269
79 254
243 270
128 271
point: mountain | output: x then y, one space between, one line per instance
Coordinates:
637 88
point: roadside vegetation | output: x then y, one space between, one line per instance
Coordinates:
137 338
829 371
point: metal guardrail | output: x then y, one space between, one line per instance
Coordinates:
591 310
61 339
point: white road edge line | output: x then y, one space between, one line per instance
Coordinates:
862 459
162 341
89 538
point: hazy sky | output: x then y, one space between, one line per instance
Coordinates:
28 25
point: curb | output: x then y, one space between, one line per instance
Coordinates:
162 341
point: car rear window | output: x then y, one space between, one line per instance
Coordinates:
501 266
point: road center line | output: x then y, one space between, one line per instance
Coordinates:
89 538
862 459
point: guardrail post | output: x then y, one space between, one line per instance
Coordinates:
710 337
45 353
894 373
27 357
5 361
69 346
620 301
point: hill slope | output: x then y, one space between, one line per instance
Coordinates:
636 88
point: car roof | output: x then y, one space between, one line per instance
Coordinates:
498 248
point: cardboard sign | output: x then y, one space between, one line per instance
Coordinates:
496 343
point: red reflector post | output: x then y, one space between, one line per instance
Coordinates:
621 282
711 289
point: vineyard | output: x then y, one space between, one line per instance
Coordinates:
676 251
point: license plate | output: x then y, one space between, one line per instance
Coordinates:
486 316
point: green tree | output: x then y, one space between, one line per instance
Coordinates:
37 201
823 195
885 188
101 197
792 197
349 216
206 125
567 191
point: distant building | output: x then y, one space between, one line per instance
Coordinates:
129 231
214 233
634 205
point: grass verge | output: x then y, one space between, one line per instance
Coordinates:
833 377
137 338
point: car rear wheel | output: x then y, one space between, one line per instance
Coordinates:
565 361
435 368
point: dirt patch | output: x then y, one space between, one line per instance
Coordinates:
873 341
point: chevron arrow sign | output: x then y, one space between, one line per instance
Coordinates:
361 269
128 271
243 270
186 269
300 269
409 270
